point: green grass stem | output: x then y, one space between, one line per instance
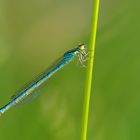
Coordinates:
89 70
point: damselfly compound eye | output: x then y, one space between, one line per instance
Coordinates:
81 46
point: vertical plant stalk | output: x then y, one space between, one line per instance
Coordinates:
89 70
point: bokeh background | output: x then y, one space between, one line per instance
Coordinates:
34 33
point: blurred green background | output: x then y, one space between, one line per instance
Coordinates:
34 33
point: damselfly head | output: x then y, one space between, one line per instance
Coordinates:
81 46
81 53
82 49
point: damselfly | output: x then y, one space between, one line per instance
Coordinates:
32 87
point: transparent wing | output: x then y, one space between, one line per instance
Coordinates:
34 92
29 98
